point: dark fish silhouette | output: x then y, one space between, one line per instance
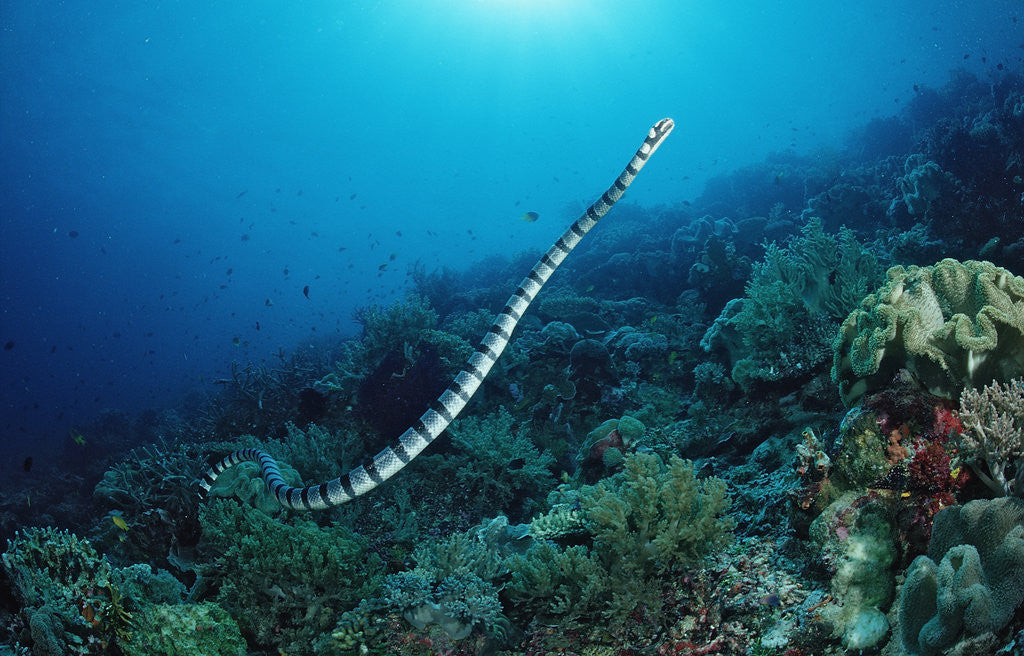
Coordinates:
73 234
8 346
27 465
305 291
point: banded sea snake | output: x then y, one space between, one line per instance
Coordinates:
432 423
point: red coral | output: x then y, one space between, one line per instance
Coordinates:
929 470
945 422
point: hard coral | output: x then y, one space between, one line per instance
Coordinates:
994 437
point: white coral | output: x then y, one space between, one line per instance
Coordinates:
993 436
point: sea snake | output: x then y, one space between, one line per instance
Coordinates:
432 423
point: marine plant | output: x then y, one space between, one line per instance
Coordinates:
152 491
782 327
505 471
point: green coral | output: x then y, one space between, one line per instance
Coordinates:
562 520
391 328
505 465
49 566
455 581
567 583
243 482
651 518
202 629
285 584
782 327
970 583
457 602
952 325
657 516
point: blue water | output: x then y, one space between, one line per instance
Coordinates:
172 174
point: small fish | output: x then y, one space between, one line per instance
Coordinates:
589 288
89 614
391 258
672 355
530 217
77 437
119 522
236 341
305 291
268 302
241 193
73 234
245 237
8 346
27 465
28 500
257 326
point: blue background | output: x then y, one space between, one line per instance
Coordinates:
199 150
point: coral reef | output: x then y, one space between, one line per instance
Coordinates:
952 325
967 588
993 436
260 571
651 518
780 330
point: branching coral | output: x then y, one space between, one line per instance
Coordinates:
454 583
993 439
